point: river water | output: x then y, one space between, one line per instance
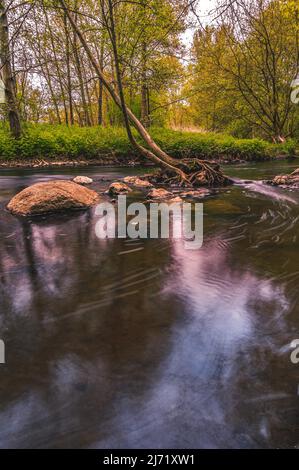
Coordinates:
143 344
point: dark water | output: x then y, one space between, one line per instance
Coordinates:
144 344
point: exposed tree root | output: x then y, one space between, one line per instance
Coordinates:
191 173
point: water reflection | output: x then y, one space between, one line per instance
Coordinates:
126 343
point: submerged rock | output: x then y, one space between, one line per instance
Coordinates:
196 194
82 180
116 189
137 182
52 196
159 193
176 199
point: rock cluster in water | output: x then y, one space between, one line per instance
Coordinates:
155 193
291 180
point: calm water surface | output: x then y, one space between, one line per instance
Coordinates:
120 343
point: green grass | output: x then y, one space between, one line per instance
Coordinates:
60 142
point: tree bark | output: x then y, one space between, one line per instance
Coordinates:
79 72
101 90
7 75
68 67
145 119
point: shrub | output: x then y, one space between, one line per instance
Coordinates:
55 142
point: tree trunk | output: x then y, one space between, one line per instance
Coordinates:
68 67
100 104
57 66
145 119
193 170
42 58
79 73
164 161
160 154
101 90
7 75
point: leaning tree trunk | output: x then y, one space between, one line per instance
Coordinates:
7 75
116 98
186 172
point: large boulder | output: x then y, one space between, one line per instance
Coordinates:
52 196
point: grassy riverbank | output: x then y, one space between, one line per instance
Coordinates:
111 144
